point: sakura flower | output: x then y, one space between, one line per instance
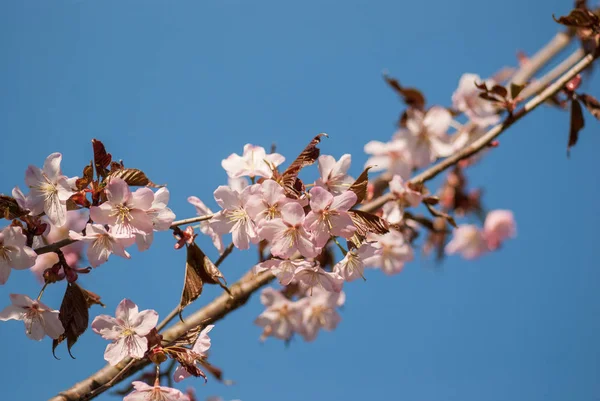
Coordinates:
234 217
200 347
39 319
253 163
21 199
281 318
14 254
102 243
284 270
393 212
125 212
352 266
393 252
127 331
320 313
238 183
426 135
466 99
334 175
161 216
499 225
50 190
287 234
467 240
145 392
329 215
314 276
205 227
267 203
392 156
404 192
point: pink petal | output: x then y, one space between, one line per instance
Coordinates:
11 312
221 223
117 191
116 352
305 246
226 197
52 166
20 300
201 208
102 214
140 220
342 225
144 322
272 192
270 229
142 199
234 165
4 271
293 214
241 238
52 324
34 328
344 201
98 253
107 326
126 310
437 121
22 258
202 344
179 374
320 199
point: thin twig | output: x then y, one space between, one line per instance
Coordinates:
191 220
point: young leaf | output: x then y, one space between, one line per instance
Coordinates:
515 90
10 209
86 178
73 315
368 223
577 123
359 187
101 158
590 103
133 177
499 90
580 18
411 96
289 178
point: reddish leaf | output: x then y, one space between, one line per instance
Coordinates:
10 209
515 90
289 180
411 96
499 90
359 187
133 177
577 123
74 315
368 223
101 158
86 178
590 103
580 18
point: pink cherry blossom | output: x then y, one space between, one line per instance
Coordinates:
314 277
284 269
287 234
50 190
200 347
127 331
14 254
404 193
125 212
392 253
161 216
393 212
329 215
102 243
39 319
320 313
21 199
334 175
469 241
266 204
393 157
234 217
499 225
282 316
254 163
352 266
466 99
205 227
145 392
426 135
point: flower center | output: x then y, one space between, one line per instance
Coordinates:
123 214
49 190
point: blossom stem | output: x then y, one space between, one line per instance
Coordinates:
42 291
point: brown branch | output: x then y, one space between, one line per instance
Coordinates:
191 220
249 283
55 246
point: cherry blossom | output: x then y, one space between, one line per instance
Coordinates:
393 157
393 252
329 215
404 192
352 266
39 319
145 392
334 175
103 243
161 216
468 240
287 234
466 99
14 254
234 217
50 190
127 331
426 135
282 316
124 212
200 347
266 204
499 225
205 226
314 276
320 313
284 269
253 163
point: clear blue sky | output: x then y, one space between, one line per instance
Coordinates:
173 87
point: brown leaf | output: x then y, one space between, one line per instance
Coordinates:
499 90
101 158
580 18
289 180
73 315
359 187
10 209
199 269
577 123
86 178
591 104
368 223
439 213
133 177
411 96
515 90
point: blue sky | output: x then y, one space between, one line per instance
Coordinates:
175 87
